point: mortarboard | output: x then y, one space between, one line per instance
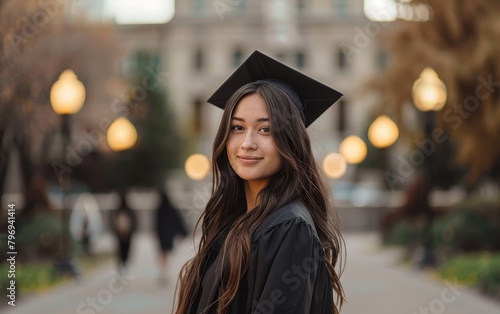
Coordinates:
314 97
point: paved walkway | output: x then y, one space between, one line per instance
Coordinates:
373 284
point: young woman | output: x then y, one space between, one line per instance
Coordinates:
270 236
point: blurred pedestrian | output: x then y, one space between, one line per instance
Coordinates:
270 238
124 224
169 225
86 221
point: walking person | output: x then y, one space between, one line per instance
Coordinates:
270 238
124 224
169 225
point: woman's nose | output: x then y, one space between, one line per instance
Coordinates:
249 142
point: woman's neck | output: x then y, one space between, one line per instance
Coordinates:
252 189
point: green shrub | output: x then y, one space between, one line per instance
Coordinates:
36 277
463 269
464 230
405 233
489 278
39 237
32 277
482 270
470 226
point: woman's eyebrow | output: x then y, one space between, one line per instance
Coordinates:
243 120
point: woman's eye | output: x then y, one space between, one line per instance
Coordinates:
236 128
265 129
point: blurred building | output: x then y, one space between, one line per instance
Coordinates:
205 41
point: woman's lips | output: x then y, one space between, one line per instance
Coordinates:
249 160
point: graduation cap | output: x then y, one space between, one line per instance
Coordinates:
313 97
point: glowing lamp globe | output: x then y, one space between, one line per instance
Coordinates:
197 166
429 91
121 134
334 165
354 149
383 132
67 94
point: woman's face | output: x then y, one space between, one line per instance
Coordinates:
250 146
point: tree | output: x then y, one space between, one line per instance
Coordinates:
460 42
39 40
159 145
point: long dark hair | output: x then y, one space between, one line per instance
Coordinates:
226 212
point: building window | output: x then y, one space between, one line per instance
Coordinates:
301 6
129 65
199 6
240 7
199 59
237 58
342 62
138 62
300 59
197 116
381 59
340 7
341 117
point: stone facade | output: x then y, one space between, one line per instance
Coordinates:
330 40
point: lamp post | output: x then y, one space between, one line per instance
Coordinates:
429 95
121 136
382 133
67 96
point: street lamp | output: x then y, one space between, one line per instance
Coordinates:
121 134
197 166
334 165
429 94
67 96
354 150
429 91
383 132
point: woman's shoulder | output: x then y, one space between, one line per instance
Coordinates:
294 211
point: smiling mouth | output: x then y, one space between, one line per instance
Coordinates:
249 159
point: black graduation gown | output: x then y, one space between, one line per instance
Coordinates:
287 271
